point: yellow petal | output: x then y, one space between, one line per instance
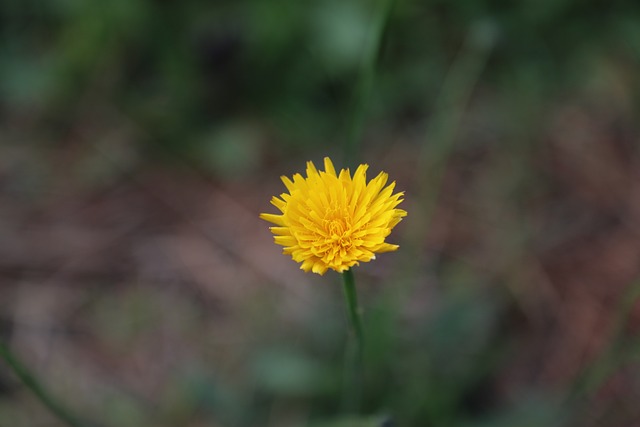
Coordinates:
328 167
276 219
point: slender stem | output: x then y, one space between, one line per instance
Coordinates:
36 388
364 85
351 298
354 356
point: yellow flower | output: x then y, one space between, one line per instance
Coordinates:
335 221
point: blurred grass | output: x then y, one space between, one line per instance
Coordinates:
184 71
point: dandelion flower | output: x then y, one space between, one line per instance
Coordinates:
334 221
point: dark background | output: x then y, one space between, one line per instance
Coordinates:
140 139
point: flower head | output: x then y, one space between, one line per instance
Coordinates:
332 221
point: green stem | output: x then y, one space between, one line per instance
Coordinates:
354 357
36 388
351 297
364 85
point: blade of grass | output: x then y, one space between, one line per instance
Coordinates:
364 85
613 355
450 106
32 383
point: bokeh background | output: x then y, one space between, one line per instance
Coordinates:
140 139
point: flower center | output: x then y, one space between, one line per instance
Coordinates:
339 233
336 228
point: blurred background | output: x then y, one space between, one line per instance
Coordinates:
140 139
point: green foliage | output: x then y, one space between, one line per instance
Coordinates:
183 70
